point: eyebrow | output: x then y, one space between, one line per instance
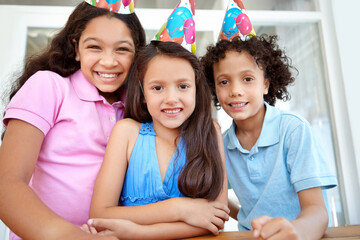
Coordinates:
159 81
242 72
98 40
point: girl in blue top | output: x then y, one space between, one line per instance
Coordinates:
274 162
166 160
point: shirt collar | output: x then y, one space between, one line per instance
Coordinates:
270 132
88 92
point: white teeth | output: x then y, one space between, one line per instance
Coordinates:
107 75
172 111
238 105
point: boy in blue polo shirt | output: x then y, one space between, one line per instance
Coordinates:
274 162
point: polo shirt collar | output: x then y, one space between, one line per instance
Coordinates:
87 91
270 132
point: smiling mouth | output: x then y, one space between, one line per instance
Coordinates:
236 105
172 111
108 75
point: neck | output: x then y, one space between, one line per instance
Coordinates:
248 131
110 97
167 134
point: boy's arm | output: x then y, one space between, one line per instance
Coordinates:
234 209
311 223
20 208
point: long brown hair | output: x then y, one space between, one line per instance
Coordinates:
202 175
60 55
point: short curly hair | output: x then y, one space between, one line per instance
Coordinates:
267 55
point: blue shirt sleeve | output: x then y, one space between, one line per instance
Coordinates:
306 160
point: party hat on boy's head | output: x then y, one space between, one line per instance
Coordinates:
180 26
236 22
116 6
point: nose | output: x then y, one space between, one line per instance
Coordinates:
108 60
236 89
171 95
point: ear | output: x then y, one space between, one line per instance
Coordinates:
266 85
77 56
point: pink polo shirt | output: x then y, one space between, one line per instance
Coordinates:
76 122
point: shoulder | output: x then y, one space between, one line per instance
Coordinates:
128 123
127 127
47 75
47 81
292 121
229 132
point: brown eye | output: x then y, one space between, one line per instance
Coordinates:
224 82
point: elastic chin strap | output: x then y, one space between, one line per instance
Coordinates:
142 90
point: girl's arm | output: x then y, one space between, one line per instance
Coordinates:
311 223
20 208
197 212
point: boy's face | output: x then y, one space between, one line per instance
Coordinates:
240 85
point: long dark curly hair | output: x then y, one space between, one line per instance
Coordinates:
268 56
60 55
202 175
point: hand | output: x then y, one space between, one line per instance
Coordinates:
202 213
121 228
88 233
275 228
88 229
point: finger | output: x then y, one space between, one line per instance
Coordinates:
273 227
221 214
93 230
220 206
102 223
85 228
106 232
213 229
258 223
218 222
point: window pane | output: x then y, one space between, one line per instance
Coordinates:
280 5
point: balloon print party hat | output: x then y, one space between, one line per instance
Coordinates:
236 22
180 26
116 6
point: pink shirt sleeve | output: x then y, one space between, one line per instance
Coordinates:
38 101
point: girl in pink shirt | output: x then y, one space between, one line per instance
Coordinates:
60 115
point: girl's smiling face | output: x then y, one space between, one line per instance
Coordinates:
105 51
169 89
240 85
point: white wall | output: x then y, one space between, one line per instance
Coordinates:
346 21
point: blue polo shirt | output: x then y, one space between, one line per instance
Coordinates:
286 159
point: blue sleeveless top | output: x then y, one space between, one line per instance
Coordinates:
142 183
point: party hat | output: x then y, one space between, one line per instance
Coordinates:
116 6
236 22
180 26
